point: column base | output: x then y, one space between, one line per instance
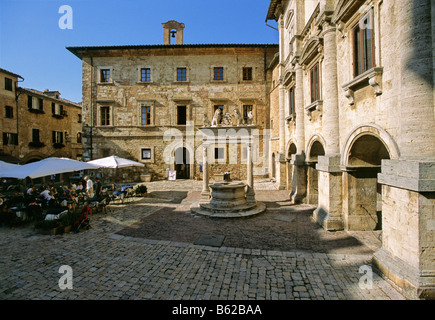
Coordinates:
407 279
330 202
329 223
299 183
205 197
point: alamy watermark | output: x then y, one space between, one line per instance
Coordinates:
366 280
66 280
66 20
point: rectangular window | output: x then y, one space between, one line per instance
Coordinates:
145 74
40 104
146 115
246 109
9 112
10 139
292 101
315 83
181 74
181 115
30 102
79 137
57 137
219 153
8 84
146 154
218 73
35 135
247 74
105 75
105 116
364 45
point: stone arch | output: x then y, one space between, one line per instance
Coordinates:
182 159
315 148
373 130
313 145
290 150
361 160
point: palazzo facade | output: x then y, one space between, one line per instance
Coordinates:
354 124
147 103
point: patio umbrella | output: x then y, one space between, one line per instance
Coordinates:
5 167
115 162
47 167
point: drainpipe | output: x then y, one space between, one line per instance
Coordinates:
17 107
91 109
270 26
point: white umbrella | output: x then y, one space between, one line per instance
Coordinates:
115 162
47 167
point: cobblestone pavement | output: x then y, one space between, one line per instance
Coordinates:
108 265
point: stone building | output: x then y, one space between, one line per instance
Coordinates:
147 102
36 125
357 126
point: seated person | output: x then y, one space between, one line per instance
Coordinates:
7 216
48 197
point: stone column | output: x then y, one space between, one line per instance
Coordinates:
205 194
299 183
250 194
329 210
408 183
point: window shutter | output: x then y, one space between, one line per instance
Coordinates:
54 136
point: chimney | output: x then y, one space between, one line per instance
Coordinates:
53 94
173 29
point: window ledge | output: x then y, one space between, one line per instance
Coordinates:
218 81
291 117
316 105
371 77
181 82
36 110
145 82
110 83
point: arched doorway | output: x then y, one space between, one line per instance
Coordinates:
362 193
182 163
273 166
291 151
315 151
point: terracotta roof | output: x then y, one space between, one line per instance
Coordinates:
11 73
79 51
271 10
43 95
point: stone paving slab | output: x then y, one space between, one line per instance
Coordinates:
107 265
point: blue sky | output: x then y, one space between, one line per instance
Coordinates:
33 45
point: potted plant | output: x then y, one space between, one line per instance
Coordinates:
141 190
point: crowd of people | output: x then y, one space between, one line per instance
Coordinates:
34 200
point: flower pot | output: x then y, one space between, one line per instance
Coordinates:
145 177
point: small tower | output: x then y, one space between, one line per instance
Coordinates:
174 29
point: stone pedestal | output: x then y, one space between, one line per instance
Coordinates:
408 222
329 211
299 183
